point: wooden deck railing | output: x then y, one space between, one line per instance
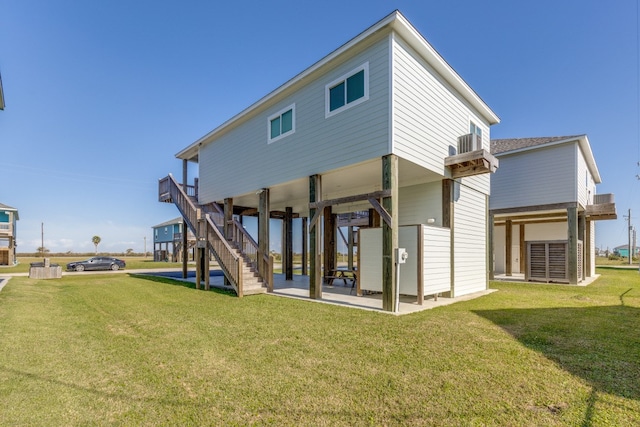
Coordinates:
599 199
242 240
229 261
6 229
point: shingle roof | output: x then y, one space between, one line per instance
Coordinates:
5 207
503 145
171 222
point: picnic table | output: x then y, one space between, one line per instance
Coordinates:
341 274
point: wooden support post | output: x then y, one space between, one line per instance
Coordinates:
447 202
523 250
350 248
587 250
315 276
447 222
374 218
572 234
288 243
263 231
490 248
184 174
389 232
582 225
206 256
228 226
508 270
329 240
185 251
200 235
304 246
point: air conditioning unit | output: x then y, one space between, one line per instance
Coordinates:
469 142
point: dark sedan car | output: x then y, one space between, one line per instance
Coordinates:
97 263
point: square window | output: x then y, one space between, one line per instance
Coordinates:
347 91
281 124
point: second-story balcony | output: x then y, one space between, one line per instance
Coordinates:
603 207
471 159
6 229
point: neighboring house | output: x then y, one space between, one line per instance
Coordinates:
8 218
544 207
382 125
167 240
623 251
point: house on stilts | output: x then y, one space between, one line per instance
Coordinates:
544 208
382 129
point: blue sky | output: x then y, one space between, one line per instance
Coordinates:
101 95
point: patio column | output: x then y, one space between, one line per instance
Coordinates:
490 249
315 276
304 246
350 248
447 222
288 244
263 231
508 248
587 250
389 232
572 237
582 236
185 259
228 226
329 240
523 250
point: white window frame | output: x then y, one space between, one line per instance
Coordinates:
291 107
343 78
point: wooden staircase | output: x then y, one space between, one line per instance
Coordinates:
237 254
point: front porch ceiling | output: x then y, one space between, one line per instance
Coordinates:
357 179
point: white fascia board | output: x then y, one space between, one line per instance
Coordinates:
399 24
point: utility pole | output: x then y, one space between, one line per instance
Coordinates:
145 246
630 233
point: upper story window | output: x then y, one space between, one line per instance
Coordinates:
282 123
475 129
347 91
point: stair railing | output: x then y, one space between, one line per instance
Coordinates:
228 260
243 241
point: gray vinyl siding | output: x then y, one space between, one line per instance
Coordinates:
585 183
429 115
418 203
469 241
436 259
241 160
535 177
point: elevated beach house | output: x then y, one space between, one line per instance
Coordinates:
544 207
8 218
382 127
168 240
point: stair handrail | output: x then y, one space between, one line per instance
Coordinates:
228 260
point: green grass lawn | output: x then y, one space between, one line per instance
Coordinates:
125 350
